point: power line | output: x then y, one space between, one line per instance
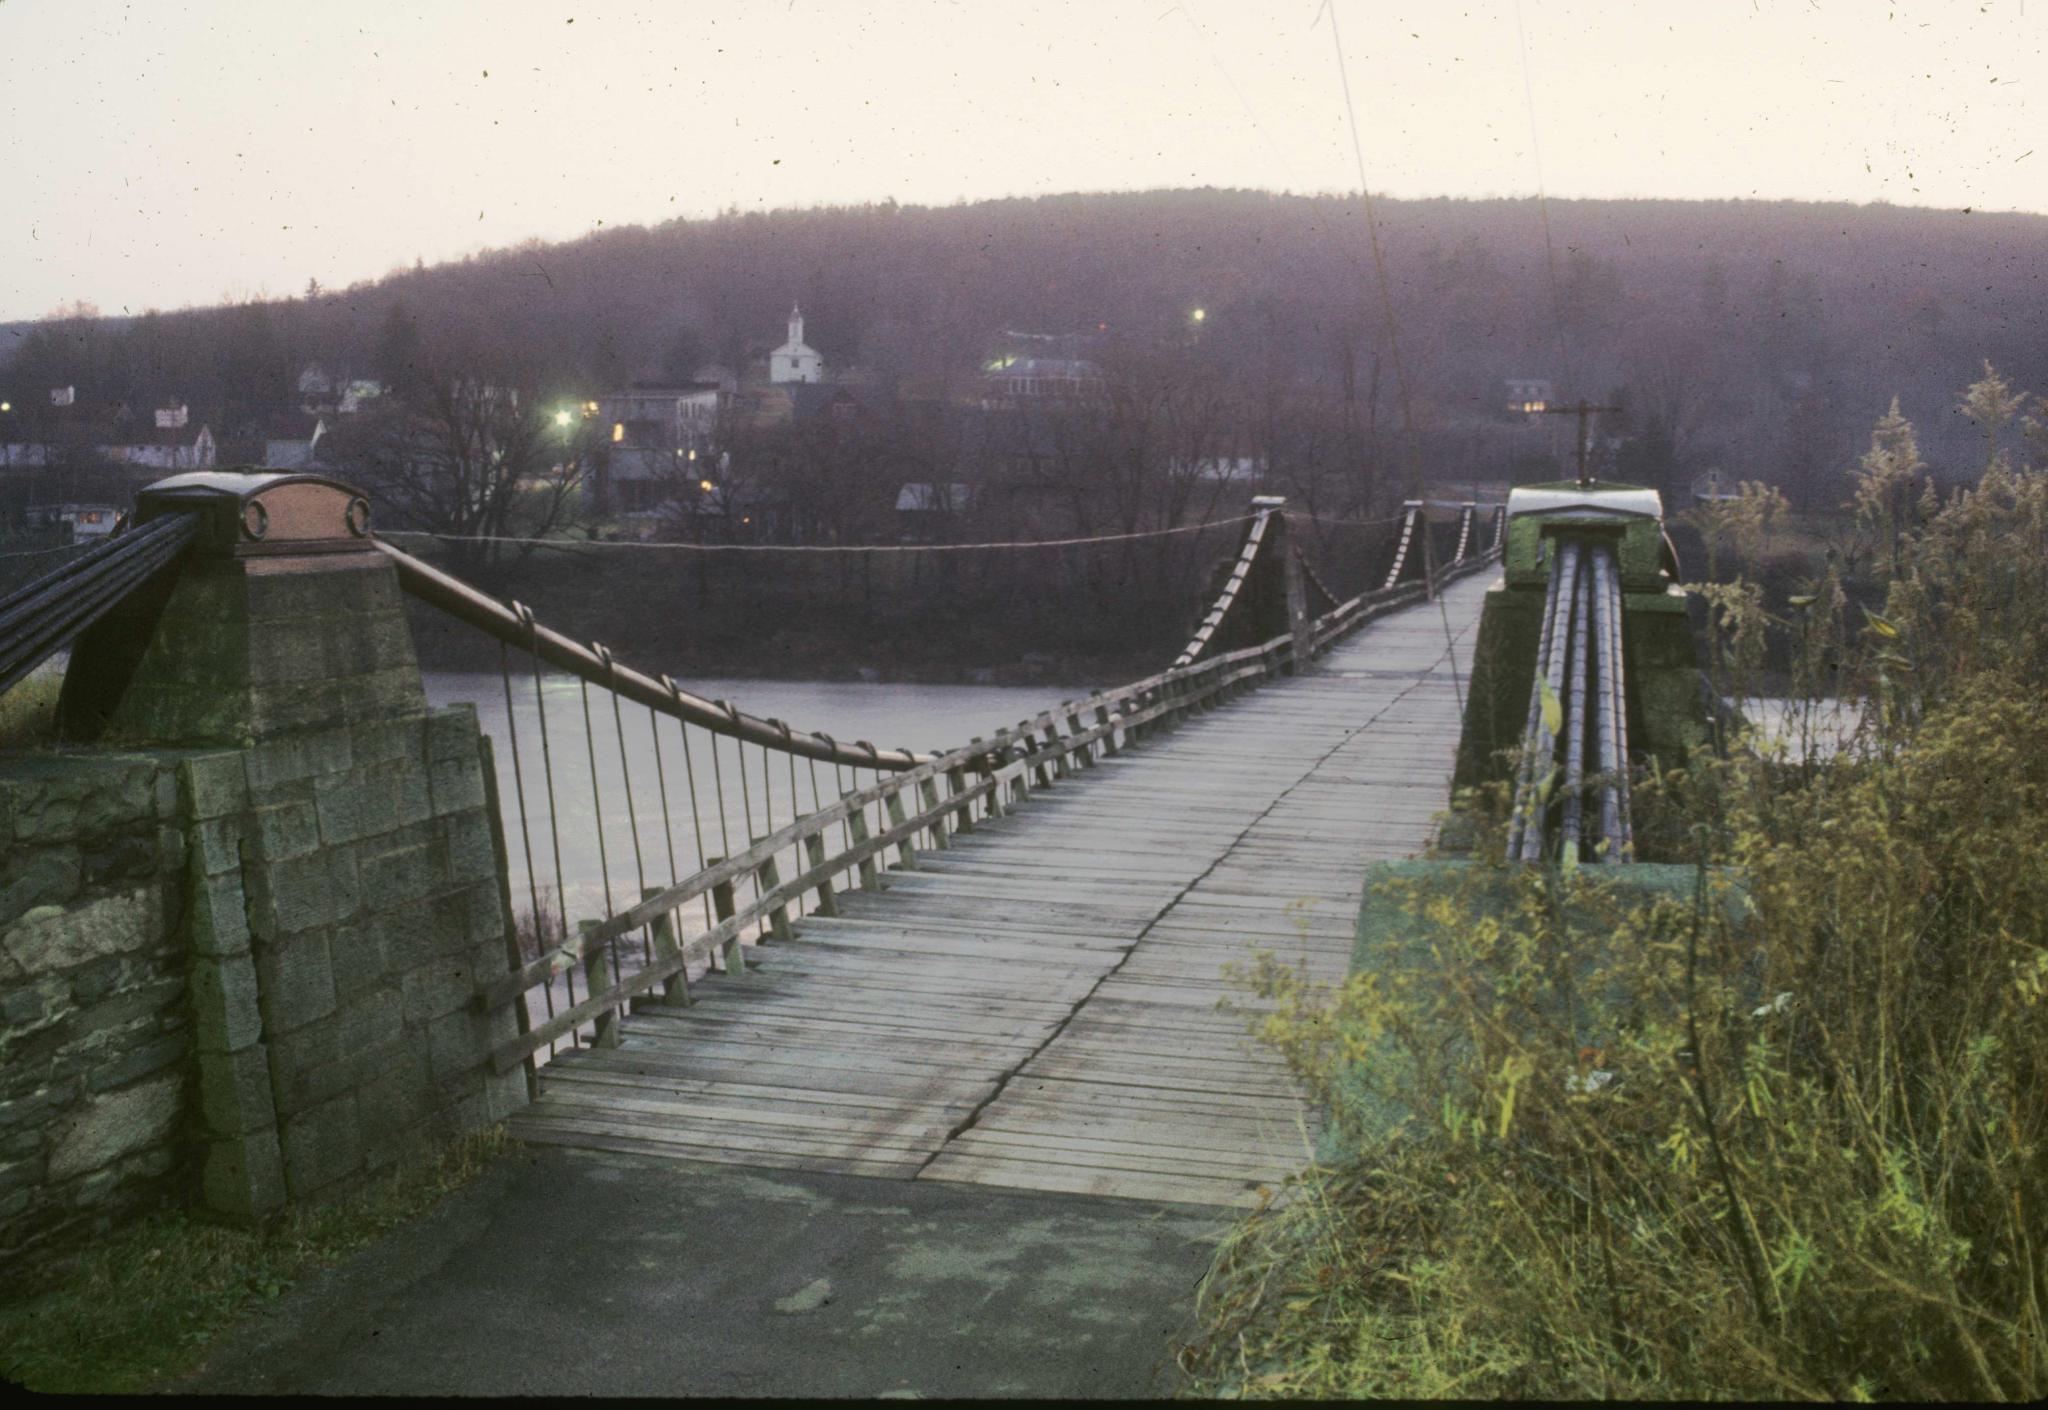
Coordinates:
1564 347
580 544
1379 264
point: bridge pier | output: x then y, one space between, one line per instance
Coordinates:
327 887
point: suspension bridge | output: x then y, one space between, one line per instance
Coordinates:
1000 964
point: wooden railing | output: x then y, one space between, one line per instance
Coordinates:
912 804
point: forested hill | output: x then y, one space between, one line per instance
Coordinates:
1769 333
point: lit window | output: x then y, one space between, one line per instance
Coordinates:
618 430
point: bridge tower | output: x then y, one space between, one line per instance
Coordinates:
1660 710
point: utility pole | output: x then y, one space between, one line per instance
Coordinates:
1584 411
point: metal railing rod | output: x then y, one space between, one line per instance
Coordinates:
463 602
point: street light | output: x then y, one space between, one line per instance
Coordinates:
1199 314
561 418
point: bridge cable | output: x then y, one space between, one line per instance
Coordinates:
683 547
1388 316
1564 346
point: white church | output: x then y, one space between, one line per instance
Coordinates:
794 361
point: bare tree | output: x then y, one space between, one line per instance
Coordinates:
478 452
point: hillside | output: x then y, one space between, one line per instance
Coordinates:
1762 337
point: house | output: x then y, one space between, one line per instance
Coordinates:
1013 377
357 393
795 361
178 447
88 523
1529 395
292 441
658 435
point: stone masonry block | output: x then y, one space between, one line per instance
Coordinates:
127 1002
285 830
214 785
151 1057
58 798
301 893
295 1088
372 799
459 1043
234 1092
297 981
226 1015
219 921
116 1124
400 872
170 850
343 702
391 741
39 876
217 844
370 1020
401 1095
451 733
435 988
243 1177
296 757
360 956
465 847
57 937
505 1093
485 912
458 784
321 1145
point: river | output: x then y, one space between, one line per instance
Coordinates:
928 718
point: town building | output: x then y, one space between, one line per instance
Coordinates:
1529 395
795 361
658 437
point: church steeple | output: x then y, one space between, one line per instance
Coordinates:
793 362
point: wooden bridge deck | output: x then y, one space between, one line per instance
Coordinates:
1037 1006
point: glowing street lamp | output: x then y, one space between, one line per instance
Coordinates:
561 418
1199 315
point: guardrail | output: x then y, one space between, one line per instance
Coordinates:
920 807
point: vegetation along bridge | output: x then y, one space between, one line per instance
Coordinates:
999 964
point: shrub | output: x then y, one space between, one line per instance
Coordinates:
1785 1138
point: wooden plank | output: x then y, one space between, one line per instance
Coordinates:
1035 1005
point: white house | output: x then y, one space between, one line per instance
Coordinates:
660 437
794 361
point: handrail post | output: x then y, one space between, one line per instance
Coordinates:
768 877
928 797
593 976
857 829
956 784
675 990
814 849
721 904
1109 744
906 851
1084 754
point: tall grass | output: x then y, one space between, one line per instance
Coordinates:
1791 1146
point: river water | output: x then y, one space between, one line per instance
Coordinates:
594 828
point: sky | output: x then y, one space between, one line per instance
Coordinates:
166 153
